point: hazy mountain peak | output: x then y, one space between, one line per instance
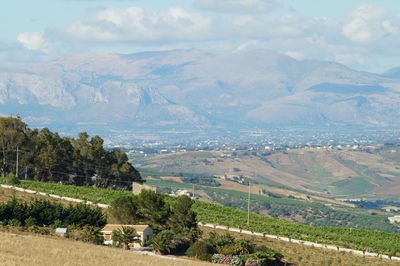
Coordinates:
192 88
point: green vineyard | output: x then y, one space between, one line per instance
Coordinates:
365 240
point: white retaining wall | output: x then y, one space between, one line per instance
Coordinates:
306 243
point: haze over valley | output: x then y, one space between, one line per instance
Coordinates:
192 89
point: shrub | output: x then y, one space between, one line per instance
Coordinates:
216 241
30 221
215 258
14 222
239 247
251 262
237 260
225 259
12 179
199 250
264 258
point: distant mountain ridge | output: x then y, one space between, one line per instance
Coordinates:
194 89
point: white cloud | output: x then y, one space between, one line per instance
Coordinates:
358 40
368 23
248 45
274 26
33 41
295 55
236 6
139 25
352 59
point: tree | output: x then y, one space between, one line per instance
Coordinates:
124 210
13 134
125 236
216 241
91 234
163 242
153 209
45 156
183 219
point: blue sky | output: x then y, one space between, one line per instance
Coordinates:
361 34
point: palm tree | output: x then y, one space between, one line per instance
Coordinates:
163 242
91 234
125 236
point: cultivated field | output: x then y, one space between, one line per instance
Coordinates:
372 173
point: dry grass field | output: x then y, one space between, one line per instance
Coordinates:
296 254
23 249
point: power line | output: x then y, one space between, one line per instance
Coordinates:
86 162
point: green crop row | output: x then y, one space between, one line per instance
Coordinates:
368 240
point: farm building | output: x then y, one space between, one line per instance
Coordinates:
144 231
137 188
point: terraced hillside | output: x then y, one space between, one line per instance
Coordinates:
372 173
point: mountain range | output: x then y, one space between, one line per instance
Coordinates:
196 89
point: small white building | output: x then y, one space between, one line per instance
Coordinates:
394 219
144 231
61 231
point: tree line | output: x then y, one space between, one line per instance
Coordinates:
44 213
43 155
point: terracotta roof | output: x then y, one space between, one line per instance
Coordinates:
112 227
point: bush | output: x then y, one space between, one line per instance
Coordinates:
30 221
237 261
225 259
239 247
199 250
264 258
14 222
215 258
251 262
216 241
12 179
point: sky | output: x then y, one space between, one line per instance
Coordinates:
364 35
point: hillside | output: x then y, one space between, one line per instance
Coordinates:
331 173
305 255
25 249
375 241
315 211
171 90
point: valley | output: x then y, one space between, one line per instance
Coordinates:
369 173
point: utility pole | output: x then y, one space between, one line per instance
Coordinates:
248 207
16 167
193 190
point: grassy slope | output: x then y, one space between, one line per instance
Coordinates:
376 173
23 249
380 242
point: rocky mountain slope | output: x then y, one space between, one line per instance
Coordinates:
194 89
